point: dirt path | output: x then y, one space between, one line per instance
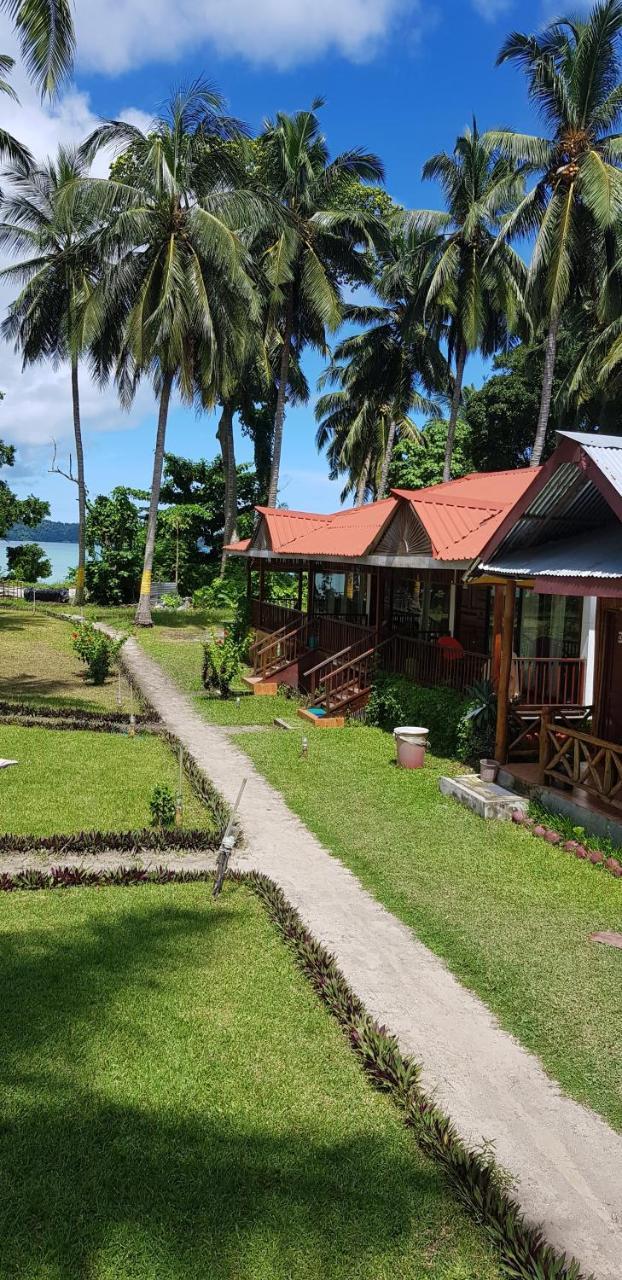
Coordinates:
567 1163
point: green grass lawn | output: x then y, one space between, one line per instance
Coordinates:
38 665
180 655
510 915
72 781
178 1104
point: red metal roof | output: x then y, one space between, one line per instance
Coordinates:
459 517
240 546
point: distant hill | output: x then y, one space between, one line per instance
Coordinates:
47 531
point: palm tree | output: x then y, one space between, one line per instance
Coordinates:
317 246
10 148
47 39
386 372
479 294
177 294
47 215
572 72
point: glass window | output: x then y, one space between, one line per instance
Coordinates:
548 626
341 594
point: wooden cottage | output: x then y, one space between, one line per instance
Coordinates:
383 586
563 539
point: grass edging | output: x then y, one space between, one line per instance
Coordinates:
146 840
88 716
473 1175
585 849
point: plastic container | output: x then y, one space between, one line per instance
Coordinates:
410 744
488 770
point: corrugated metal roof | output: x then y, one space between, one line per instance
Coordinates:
461 515
597 554
240 546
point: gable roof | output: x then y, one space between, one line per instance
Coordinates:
448 522
460 516
579 488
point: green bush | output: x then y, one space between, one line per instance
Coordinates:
221 665
395 700
162 806
28 562
475 738
96 650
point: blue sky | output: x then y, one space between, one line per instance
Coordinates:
400 78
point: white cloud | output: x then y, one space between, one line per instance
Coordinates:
491 10
122 34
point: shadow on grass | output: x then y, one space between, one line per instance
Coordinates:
97 1182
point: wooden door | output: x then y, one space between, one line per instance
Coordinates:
610 718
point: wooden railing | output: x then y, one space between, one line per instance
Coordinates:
524 728
267 615
333 633
314 680
279 650
351 682
578 759
549 681
430 664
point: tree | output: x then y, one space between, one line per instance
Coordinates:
316 247
10 149
191 530
47 39
479 293
178 291
29 511
574 207
115 539
28 562
386 372
48 214
416 465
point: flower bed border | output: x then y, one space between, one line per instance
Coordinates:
554 838
44 712
472 1174
145 840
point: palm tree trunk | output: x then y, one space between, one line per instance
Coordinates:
550 353
227 446
143 611
77 431
279 416
386 462
461 356
362 482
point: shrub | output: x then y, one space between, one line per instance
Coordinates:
96 650
28 562
162 806
475 736
221 665
395 700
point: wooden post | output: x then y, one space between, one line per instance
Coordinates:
544 753
310 593
505 671
497 622
249 580
299 602
262 587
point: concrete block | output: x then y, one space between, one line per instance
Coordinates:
486 799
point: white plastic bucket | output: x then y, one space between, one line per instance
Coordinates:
410 744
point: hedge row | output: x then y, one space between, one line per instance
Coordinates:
146 840
89 717
101 725
523 1252
396 700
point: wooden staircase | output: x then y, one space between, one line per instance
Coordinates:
272 656
343 681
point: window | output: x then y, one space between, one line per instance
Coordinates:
548 626
341 594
